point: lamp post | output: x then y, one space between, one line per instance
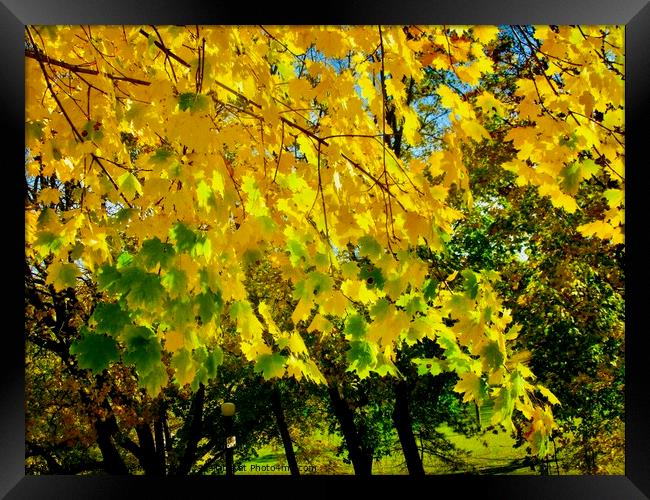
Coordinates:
228 411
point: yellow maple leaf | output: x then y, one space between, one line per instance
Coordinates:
321 324
174 340
302 310
334 303
265 312
474 130
470 386
62 275
485 33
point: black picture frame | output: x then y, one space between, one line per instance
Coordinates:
634 14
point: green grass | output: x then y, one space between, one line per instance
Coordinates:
316 454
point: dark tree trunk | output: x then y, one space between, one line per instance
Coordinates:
360 457
113 463
168 437
194 434
276 403
160 444
403 424
148 456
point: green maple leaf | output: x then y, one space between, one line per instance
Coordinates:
154 380
429 365
412 303
208 362
34 129
144 289
419 328
95 351
123 215
77 251
301 290
471 283
184 237
161 155
155 252
175 280
180 311
270 365
430 289
92 131
108 278
379 310
518 384
318 282
201 377
362 357
503 406
192 101
213 361
385 366
355 327
372 276
458 362
142 349
368 247
252 257
209 305
123 260
46 217
110 318
493 355
47 242
297 252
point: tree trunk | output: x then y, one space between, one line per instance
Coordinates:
113 463
148 457
403 424
360 457
194 434
276 403
160 444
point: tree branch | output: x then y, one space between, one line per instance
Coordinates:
38 56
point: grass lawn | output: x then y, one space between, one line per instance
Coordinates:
316 454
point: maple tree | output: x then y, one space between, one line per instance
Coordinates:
165 162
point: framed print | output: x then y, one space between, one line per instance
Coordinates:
316 251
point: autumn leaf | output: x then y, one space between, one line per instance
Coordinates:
270 366
109 317
355 327
143 349
154 252
62 275
154 380
362 357
184 367
471 386
548 395
95 351
129 185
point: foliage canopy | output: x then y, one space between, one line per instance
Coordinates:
168 161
